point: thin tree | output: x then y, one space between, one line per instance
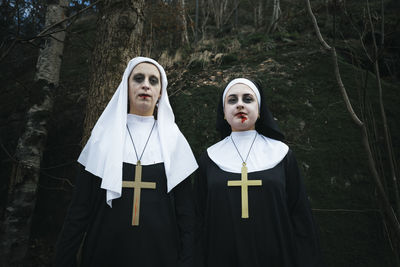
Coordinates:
275 16
258 12
25 176
205 11
390 216
184 36
196 21
219 9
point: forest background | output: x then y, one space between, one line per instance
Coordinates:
330 70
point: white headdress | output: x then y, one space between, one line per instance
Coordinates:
103 153
247 82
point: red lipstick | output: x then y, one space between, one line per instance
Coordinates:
144 96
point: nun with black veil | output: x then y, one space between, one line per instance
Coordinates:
251 204
133 204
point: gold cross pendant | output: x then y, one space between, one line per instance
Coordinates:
244 183
137 185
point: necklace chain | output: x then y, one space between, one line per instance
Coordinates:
248 153
144 148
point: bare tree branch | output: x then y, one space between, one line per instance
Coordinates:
343 89
45 33
316 28
386 206
8 50
64 180
383 115
41 34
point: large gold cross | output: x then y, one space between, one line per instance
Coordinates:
245 183
137 185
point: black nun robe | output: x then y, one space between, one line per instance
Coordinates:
100 214
163 237
280 230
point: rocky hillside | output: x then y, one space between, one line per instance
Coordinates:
303 96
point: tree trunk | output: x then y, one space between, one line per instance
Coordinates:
258 14
236 15
205 8
276 13
184 37
119 38
219 11
196 28
24 179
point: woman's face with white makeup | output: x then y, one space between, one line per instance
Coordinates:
144 89
241 108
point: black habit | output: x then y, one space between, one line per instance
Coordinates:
279 232
164 236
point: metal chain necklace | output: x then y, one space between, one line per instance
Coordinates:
138 184
244 161
244 182
144 148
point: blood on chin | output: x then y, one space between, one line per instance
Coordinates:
242 118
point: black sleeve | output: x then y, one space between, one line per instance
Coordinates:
184 208
306 234
77 219
200 192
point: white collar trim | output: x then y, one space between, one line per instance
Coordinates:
265 154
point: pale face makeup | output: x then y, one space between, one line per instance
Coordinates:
144 89
241 108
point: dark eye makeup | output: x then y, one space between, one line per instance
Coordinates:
153 80
232 99
139 78
246 98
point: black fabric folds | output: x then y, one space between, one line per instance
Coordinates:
164 236
280 230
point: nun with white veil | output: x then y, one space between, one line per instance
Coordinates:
132 204
252 207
